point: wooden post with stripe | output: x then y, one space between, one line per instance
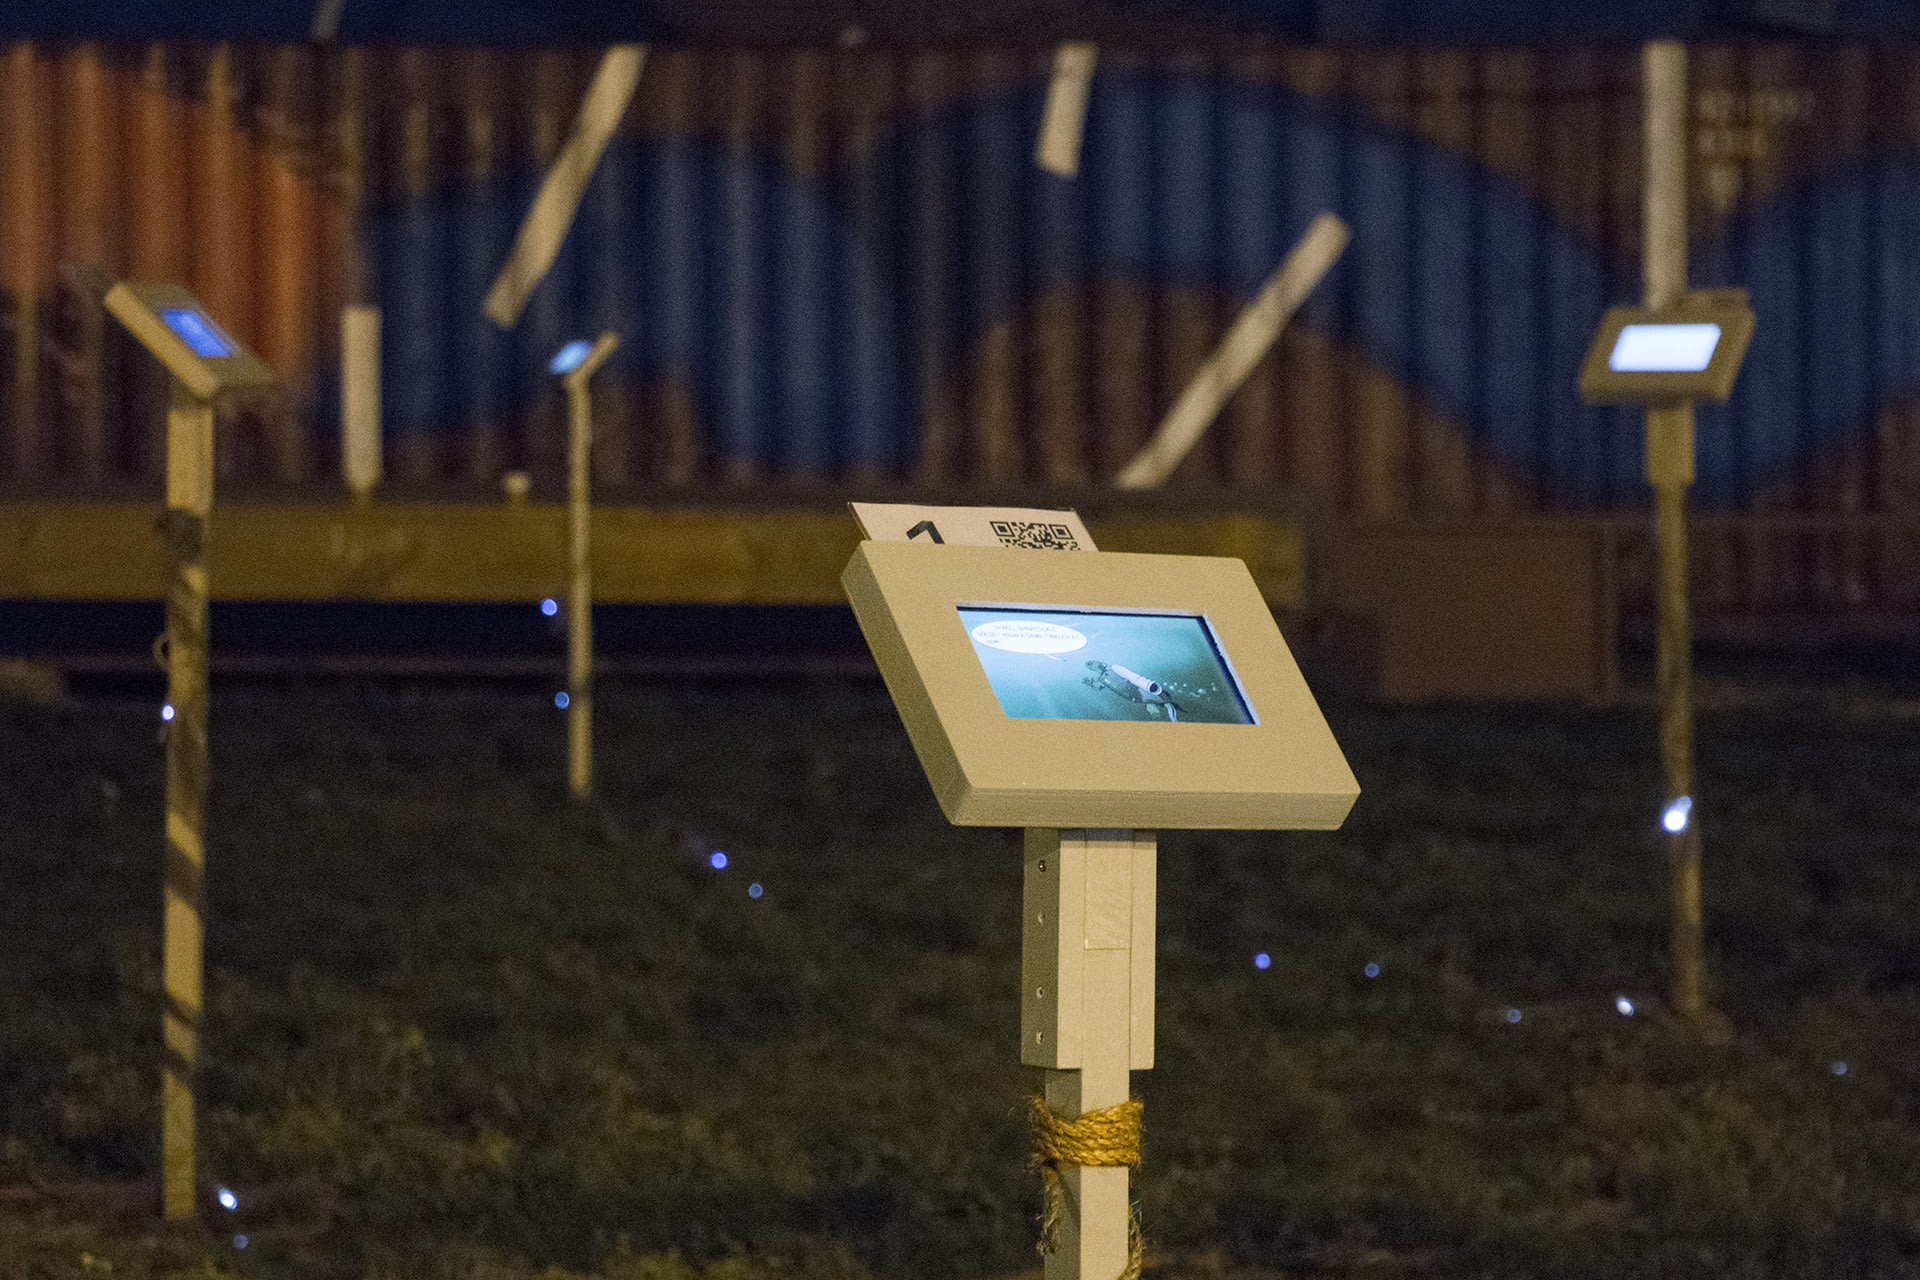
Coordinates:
203 362
189 504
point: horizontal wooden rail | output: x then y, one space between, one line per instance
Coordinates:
422 551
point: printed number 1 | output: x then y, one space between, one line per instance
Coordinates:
927 527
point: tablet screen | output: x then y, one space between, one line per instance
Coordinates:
1080 664
198 332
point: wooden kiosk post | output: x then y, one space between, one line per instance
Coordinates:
575 363
1086 1016
1093 699
203 362
1681 346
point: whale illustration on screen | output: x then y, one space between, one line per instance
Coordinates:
1130 685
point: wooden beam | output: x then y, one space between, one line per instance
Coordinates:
424 551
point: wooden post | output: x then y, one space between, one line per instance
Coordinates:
580 588
189 504
579 592
89 145
360 437
1670 470
25 125
1086 1013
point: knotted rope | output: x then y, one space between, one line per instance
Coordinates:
1105 1139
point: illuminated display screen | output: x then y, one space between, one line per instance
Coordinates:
1664 348
1075 664
198 332
568 358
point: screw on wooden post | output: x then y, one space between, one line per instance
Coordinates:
189 504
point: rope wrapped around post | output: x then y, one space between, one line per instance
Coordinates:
1104 1139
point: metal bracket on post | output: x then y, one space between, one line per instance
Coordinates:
1086 1012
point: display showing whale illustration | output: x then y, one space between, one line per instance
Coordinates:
1131 685
1163 668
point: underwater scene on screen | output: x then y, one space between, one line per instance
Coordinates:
1069 664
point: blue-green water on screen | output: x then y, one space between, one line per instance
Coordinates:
1069 664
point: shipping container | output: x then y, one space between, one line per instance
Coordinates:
838 270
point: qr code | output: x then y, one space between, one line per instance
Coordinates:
1035 535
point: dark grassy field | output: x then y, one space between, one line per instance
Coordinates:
459 1027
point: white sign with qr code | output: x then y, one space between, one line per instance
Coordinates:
1035 528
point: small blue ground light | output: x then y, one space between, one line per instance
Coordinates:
560 700
754 891
549 606
228 1200
1624 1006
239 1242
1372 970
1262 960
166 711
1513 1015
1839 1068
717 860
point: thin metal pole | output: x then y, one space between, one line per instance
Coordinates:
1670 471
189 504
579 594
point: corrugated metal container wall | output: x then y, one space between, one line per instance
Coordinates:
843 268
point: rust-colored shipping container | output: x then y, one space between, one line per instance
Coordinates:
837 269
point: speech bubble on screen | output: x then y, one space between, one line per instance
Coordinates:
1021 636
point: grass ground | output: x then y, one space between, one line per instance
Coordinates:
458 1027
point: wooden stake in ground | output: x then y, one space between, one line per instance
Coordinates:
203 361
1670 471
189 506
576 363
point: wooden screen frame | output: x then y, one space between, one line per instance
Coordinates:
991 769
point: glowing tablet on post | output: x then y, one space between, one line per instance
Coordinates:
1067 664
1664 348
170 322
568 358
1096 689
1689 352
580 358
201 335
